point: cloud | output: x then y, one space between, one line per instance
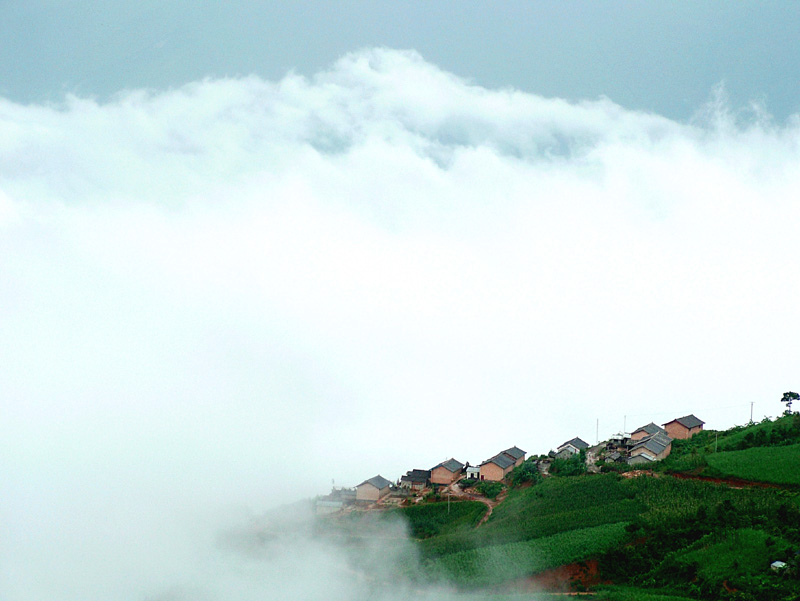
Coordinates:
232 292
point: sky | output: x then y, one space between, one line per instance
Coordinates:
661 57
244 259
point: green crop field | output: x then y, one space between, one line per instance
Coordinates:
778 465
763 432
667 499
561 504
500 563
432 519
556 505
741 552
624 593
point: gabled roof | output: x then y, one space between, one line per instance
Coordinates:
451 465
688 421
378 482
500 460
577 443
416 476
515 452
656 443
650 428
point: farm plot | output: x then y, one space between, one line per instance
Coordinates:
776 465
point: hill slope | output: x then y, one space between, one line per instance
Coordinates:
664 535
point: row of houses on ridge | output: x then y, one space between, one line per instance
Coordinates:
644 445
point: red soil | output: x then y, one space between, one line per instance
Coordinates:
562 579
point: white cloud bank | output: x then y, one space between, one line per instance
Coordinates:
230 293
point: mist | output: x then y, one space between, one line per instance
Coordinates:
218 299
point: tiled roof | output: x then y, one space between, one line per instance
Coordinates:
451 465
650 428
416 476
500 460
688 421
577 443
515 452
378 482
656 443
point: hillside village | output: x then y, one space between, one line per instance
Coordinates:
669 512
643 446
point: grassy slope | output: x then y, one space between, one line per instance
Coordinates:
778 465
497 564
561 504
730 441
741 552
436 519
563 520
560 521
625 593
668 500
554 506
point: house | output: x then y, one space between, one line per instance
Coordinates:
373 489
646 431
564 453
473 472
415 479
571 447
640 459
496 468
684 427
446 472
653 448
621 443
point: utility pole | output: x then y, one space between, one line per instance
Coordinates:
751 412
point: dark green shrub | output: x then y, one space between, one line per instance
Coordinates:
528 471
490 490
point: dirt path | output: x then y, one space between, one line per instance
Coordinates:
456 491
731 482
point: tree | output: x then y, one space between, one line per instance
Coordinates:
788 398
527 471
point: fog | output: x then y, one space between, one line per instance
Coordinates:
220 298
